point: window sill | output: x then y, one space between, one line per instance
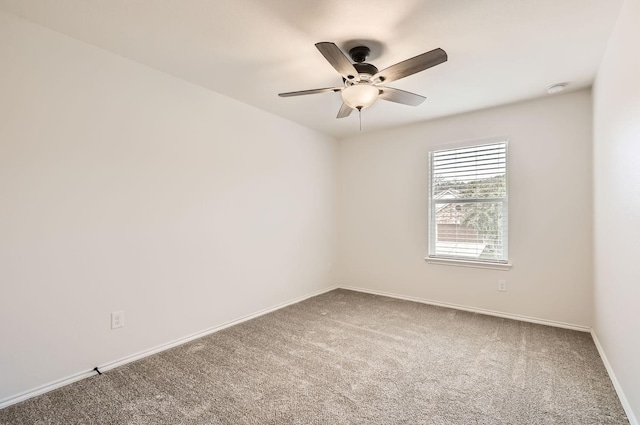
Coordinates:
474 264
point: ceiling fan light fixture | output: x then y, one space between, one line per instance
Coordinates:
360 96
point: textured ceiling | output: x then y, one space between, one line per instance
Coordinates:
500 51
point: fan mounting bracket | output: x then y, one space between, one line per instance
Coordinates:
359 54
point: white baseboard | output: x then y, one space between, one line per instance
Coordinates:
44 388
473 309
623 399
82 375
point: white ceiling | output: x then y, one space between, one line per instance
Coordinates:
500 51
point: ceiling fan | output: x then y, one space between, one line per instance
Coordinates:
362 81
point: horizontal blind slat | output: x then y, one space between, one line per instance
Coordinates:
463 152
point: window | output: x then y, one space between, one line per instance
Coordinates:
468 203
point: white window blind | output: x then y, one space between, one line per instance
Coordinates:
468 203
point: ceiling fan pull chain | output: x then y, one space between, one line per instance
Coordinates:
360 117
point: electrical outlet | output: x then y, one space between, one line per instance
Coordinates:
502 285
117 319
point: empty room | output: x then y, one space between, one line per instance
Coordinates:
319 212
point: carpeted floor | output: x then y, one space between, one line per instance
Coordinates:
350 358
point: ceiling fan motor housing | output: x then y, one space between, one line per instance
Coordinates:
365 68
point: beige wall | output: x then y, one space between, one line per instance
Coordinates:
617 203
123 188
382 211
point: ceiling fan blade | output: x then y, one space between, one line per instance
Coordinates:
400 96
344 111
338 60
413 65
314 91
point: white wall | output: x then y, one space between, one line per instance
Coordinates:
382 211
123 188
617 202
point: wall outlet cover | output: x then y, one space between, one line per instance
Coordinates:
117 319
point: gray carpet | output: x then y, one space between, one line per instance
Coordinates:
350 358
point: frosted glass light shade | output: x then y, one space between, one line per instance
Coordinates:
360 96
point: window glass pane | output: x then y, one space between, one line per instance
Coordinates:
472 231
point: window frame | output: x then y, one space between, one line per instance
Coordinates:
451 261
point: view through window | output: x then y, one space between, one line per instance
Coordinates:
468 203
